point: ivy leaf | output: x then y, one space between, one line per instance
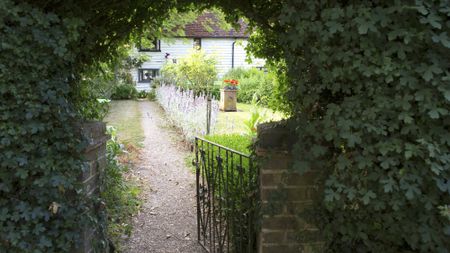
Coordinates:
428 75
436 168
351 193
353 139
422 10
433 20
447 95
379 205
331 195
394 34
434 114
444 185
318 150
44 242
411 191
363 28
21 173
388 184
334 27
442 38
364 25
343 162
447 230
368 196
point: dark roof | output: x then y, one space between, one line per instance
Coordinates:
207 26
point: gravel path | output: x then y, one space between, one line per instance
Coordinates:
167 221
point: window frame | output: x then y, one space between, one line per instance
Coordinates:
157 48
141 73
194 44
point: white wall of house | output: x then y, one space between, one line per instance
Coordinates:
221 48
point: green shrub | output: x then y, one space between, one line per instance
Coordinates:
252 82
124 91
197 71
119 193
151 96
90 102
257 116
160 80
215 89
142 94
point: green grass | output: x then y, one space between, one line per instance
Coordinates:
122 190
233 122
236 142
122 198
125 116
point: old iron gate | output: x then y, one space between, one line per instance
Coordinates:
226 198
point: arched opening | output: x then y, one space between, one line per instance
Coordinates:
366 85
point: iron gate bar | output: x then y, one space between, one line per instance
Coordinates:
226 185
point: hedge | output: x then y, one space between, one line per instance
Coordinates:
369 90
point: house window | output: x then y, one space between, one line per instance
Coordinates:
149 45
197 43
147 75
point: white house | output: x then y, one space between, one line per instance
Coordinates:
228 47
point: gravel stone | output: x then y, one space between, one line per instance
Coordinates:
167 221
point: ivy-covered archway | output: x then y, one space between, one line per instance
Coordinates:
367 84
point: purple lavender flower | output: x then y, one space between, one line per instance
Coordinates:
186 110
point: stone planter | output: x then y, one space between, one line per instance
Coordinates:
228 100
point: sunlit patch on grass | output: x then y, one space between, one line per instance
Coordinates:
125 116
233 122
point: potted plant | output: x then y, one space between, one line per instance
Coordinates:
228 95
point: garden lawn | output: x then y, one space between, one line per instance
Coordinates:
237 142
125 116
233 122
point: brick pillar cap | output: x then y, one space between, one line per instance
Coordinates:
275 136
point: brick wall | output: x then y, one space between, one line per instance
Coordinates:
95 163
284 194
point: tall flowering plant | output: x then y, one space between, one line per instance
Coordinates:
187 110
231 84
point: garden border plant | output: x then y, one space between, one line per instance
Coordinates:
367 86
120 194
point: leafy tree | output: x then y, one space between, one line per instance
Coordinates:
173 26
199 70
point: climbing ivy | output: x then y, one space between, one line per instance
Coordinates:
39 160
45 48
370 94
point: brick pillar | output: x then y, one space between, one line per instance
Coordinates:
284 194
95 163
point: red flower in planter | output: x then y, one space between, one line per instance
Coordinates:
232 84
